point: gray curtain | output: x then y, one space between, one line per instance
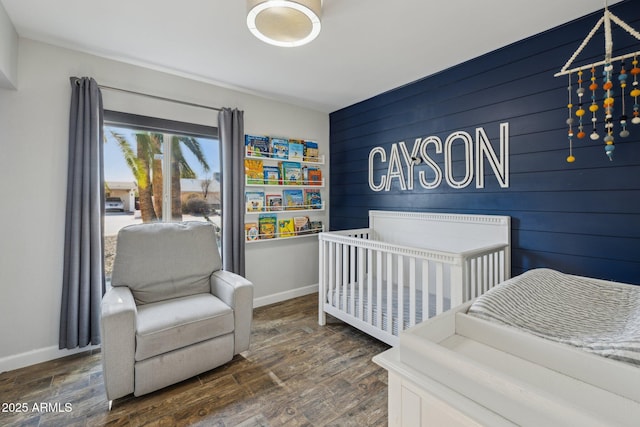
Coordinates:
231 130
83 282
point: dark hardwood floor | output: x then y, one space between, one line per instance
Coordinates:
296 373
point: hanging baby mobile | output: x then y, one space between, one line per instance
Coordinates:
601 87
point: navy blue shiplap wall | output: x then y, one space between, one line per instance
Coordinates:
580 218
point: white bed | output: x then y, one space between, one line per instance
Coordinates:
542 348
409 266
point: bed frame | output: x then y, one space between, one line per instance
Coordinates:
409 266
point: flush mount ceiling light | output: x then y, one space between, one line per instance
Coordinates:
285 23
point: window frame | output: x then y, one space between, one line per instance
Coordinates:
155 124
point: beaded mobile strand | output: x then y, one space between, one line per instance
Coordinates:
635 92
570 122
594 106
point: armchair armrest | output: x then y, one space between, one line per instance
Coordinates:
118 330
237 292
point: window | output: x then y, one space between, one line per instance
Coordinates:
158 170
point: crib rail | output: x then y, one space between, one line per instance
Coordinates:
383 288
484 268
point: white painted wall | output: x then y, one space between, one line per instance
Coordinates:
8 52
33 162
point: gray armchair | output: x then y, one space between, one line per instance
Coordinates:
172 312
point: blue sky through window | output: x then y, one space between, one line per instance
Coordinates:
116 168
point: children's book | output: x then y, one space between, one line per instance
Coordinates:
255 201
314 176
310 151
274 202
291 173
296 150
292 199
316 226
257 145
279 148
302 225
271 175
253 170
312 199
267 225
251 231
286 227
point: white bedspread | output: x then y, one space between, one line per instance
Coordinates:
598 317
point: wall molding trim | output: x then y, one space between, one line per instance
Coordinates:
33 357
283 296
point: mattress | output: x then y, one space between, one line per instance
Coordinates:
338 302
599 317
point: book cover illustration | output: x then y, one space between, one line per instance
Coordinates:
296 150
291 173
257 145
302 224
254 201
267 226
253 170
316 226
271 175
251 231
274 202
310 151
314 176
286 227
279 148
312 199
292 199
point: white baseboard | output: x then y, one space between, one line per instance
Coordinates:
17 361
283 296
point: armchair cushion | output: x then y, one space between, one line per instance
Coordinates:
169 325
162 261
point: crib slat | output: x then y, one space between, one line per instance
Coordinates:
361 269
439 288
352 279
412 291
344 279
389 266
370 287
482 272
472 278
331 274
400 287
426 295
493 268
379 289
456 285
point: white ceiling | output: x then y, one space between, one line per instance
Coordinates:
366 47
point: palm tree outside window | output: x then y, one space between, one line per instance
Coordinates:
161 170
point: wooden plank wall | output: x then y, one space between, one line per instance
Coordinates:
581 218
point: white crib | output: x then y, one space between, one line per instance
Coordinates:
409 266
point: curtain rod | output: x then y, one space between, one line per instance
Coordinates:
161 98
